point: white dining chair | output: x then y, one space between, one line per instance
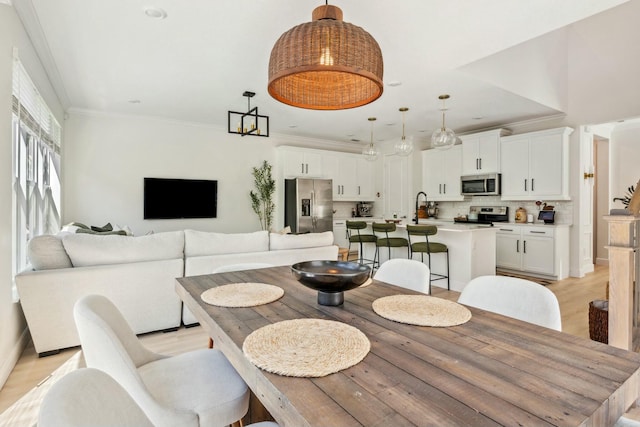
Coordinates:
518 298
242 266
626 422
197 388
89 397
406 273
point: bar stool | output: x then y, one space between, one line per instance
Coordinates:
354 228
386 241
428 248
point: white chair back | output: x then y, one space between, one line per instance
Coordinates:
90 397
109 344
406 273
245 266
518 298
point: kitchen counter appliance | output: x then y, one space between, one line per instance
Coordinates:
481 185
364 209
485 215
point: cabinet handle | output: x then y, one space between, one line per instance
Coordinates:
301 167
538 232
439 188
306 168
506 229
358 190
444 188
518 245
477 165
524 246
532 188
480 163
525 185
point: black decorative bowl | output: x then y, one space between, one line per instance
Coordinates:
331 278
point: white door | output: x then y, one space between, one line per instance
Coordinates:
365 179
432 174
396 186
508 251
515 166
470 155
538 255
488 146
586 200
545 165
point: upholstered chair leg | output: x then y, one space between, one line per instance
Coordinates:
210 342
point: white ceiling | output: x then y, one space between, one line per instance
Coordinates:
195 64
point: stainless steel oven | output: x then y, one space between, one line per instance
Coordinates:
481 185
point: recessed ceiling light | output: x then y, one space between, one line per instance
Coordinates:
134 101
477 118
394 83
293 126
351 134
155 13
390 124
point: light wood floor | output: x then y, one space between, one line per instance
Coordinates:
573 294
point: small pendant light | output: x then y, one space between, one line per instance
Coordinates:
443 138
404 146
370 152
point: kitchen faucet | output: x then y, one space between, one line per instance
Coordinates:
415 220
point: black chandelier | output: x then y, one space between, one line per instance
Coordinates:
249 123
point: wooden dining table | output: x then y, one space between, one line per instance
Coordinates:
490 371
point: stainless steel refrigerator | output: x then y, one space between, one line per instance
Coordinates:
308 205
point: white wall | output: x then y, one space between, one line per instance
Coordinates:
624 155
13 335
106 157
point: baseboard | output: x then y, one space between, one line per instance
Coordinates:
602 261
10 362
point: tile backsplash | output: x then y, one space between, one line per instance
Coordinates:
564 209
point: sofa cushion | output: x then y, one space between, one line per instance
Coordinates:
46 252
298 241
94 249
200 243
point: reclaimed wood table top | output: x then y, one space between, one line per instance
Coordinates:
490 371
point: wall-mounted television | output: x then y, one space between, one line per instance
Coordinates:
170 198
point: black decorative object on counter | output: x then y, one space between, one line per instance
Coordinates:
331 278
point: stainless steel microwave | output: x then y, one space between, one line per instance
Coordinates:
481 185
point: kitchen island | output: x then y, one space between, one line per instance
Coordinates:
472 251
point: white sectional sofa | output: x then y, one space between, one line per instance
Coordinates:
138 274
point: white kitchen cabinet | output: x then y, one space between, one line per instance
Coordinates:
340 236
366 177
535 165
541 250
481 152
352 176
441 170
300 162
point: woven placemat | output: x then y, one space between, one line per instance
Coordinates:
421 310
242 294
306 347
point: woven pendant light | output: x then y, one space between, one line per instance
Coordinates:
326 64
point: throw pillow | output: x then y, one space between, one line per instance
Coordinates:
47 253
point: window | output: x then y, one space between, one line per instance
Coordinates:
36 166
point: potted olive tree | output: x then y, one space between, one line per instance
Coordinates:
262 198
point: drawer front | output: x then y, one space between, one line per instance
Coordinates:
507 229
538 231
